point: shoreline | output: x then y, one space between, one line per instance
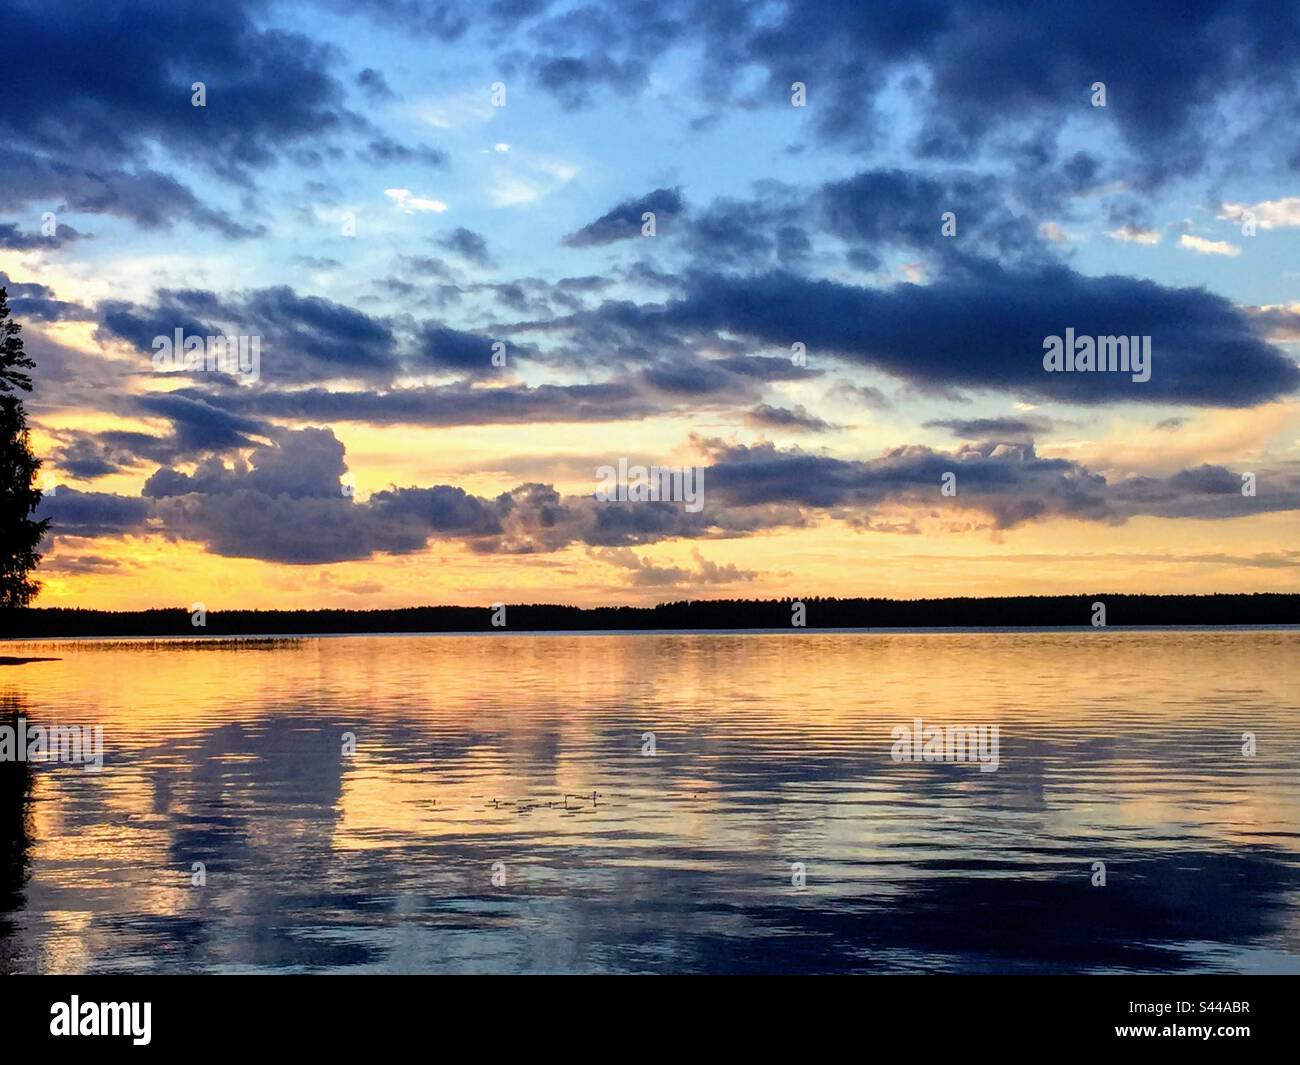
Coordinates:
969 630
1064 613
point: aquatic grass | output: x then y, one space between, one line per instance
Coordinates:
216 643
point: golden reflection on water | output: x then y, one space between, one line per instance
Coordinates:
769 750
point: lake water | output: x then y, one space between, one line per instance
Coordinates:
446 843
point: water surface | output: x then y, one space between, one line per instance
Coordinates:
499 813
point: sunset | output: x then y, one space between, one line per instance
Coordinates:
577 467
804 322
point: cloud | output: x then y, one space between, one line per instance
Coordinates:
962 61
468 245
14 240
80 565
89 101
860 396
1208 247
197 425
266 87
28 300
992 428
92 514
985 329
450 349
1280 323
407 201
448 405
149 199
796 419
301 464
645 574
752 234
625 221
1268 214
571 79
1006 484
85 456
385 150
286 502
301 337
373 83
1132 234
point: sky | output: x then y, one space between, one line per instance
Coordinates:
434 221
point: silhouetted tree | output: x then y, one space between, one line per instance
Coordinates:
19 496
15 832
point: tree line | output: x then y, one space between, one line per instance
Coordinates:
1057 611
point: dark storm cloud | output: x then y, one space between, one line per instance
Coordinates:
302 337
321 329
992 428
74 513
450 349
1207 491
13 239
81 136
1011 485
624 221
101 81
572 79
455 404
146 197
198 425
85 456
578 52
755 234
317 262
796 419
766 368
138 326
447 20
985 330
425 265
877 209
305 339
301 464
84 459
197 428
1165 72
287 502
296 530
698 378
468 245
448 510
1007 483
37 303
284 504
95 88
375 85
386 150
962 62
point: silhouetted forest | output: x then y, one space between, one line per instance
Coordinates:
1004 612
